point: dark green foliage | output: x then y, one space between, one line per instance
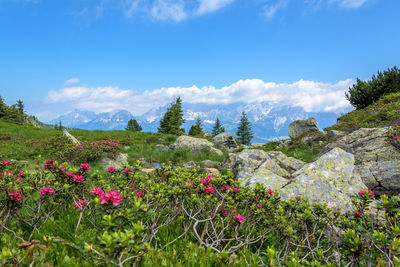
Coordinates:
218 128
196 129
20 106
133 126
173 119
364 93
12 113
244 132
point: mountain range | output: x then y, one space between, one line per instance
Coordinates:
268 122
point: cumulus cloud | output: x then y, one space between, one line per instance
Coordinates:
312 96
169 10
207 6
72 81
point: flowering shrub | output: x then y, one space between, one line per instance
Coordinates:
127 218
61 148
394 135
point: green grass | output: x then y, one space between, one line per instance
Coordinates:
382 113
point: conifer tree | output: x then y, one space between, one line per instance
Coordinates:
20 106
173 119
218 128
196 128
133 126
244 132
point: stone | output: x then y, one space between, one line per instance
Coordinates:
190 165
71 137
377 160
147 170
332 179
161 147
246 162
334 135
288 163
195 144
208 164
207 134
212 171
229 161
118 161
225 141
299 127
254 145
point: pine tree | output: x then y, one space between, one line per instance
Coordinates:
173 119
20 106
244 132
133 126
3 108
196 128
218 128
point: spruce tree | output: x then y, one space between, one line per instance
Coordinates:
244 132
173 119
196 128
20 106
218 128
133 126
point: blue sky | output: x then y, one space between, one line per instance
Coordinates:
136 54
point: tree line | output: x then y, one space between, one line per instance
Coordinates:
172 122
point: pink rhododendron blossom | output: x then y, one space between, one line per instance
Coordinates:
208 189
360 193
16 195
206 180
270 192
62 168
139 194
5 162
225 187
85 167
127 171
112 197
396 138
97 190
357 214
78 178
371 194
132 187
111 169
46 190
259 206
50 163
236 189
189 183
239 218
6 174
70 175
79 204
224 211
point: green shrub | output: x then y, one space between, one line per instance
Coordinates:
364 93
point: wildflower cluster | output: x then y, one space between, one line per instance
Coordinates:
394 135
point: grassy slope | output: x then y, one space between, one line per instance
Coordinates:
16 143
384 112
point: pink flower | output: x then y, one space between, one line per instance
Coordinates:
270 192
46 190
357 214
78 178
189 183
97 190
132 187
16 195
396 138
111 169
62 168
224 211
259 206
361 193
5 162
127 171
79 204
85 167
6 174
49 163
371 195
70 175
206 180
112 197
239 218
139 194
236 189
225 187
208 189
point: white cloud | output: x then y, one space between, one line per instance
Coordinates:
312 96
207 6
349 3
164 10
72 81
271 9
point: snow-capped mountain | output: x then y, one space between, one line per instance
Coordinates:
268 121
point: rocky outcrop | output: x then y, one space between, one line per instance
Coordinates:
299 127
194 144
118 161
71 137
245 163
377 161
334 135
209 164
225 141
